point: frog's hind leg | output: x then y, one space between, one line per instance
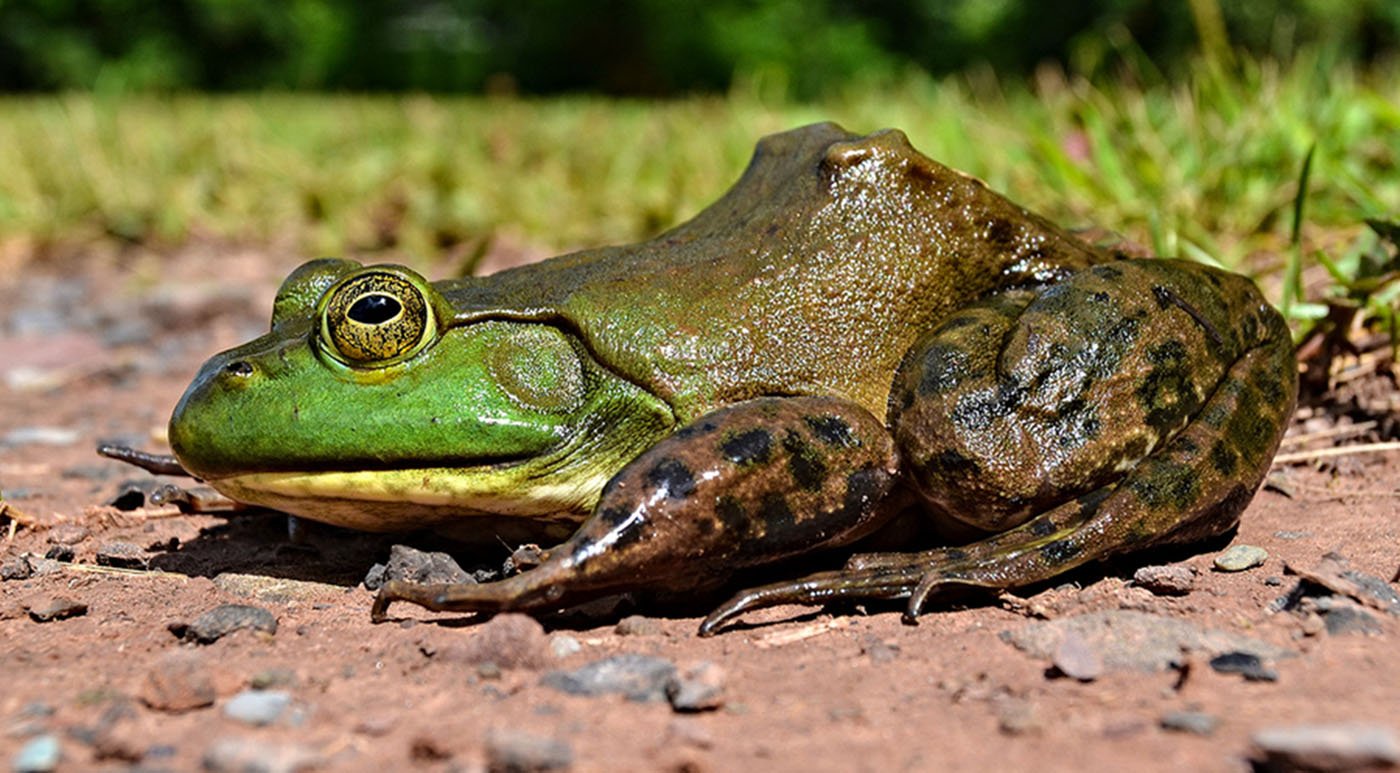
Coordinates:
750 483
1193 485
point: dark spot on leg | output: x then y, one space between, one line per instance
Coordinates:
1059 551
865 489
1089 503
1000 233
706 526
674 477
1107 272
615 516
804 463
944 367
955 554
748 447
1042 527
832 430
732 517
950 461
1100 297
1224 458
978 411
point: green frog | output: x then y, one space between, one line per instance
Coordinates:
853 330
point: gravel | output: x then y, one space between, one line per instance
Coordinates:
1169 580
1193 722
179 681
509 641
249 755
257 707
1135 641
1328 747
39 755
515 751
1245 664
698 688
224 620
51 608
639 677
1241 557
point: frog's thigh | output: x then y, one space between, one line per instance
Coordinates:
1202 384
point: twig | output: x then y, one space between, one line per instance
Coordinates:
1360 448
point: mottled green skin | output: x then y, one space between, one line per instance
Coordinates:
852 325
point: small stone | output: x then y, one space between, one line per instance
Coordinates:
179 681
56 608
272 678
39 755
562 645
256 707
40 436
1334 747
122 555
68 534
275 590
406 563
1076 659
240 755
227 618
1245 664
1168 580
515 751
16 568
639 677
1240 557
879 650
698 688
62 553
509 640
1342 620
1194 722
638 625
1016 716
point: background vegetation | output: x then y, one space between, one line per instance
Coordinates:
420 130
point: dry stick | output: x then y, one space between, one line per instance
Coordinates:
1362 448
1334 432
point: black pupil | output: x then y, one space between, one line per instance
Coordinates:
374 309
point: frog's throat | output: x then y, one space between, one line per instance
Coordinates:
403 500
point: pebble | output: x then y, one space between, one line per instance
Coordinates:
1245 664
40 436
276 590
16 568
515 751
63 553
122 555
639 677
1330 747
39 755
1076 659
879 650
1342 620
638 625
406 563
1194 722
68 534
509 640
1241 557
1168 580
179 681
257 707
240 755
52 608
1133 640
224 620
698 688
563 645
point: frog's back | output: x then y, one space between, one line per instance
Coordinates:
812 275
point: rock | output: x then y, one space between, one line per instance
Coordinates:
68 534
40 436
1169 580
406 563
638 625
1017 716
698 688
256 707
52 608
514 751
1343 620
16 568
122 555
562 645
224 620
1334 747
1245 664
179 681
1194 722
62 553
1076 659
639 677
1333 574
509 640
879 650
1132 640
40 755
1240 557
276 590
242 755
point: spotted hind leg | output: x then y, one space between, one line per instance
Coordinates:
1192 486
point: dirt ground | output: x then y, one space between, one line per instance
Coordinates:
103 354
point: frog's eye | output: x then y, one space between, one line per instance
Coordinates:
376 317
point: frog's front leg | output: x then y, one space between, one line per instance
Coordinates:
750 483
1135 404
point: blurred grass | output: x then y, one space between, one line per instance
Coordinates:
1206 168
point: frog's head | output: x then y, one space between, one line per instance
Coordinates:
375 404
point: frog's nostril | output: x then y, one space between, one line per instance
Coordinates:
240 368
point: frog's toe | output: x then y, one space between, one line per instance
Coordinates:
820 588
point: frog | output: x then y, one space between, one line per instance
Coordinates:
851 333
